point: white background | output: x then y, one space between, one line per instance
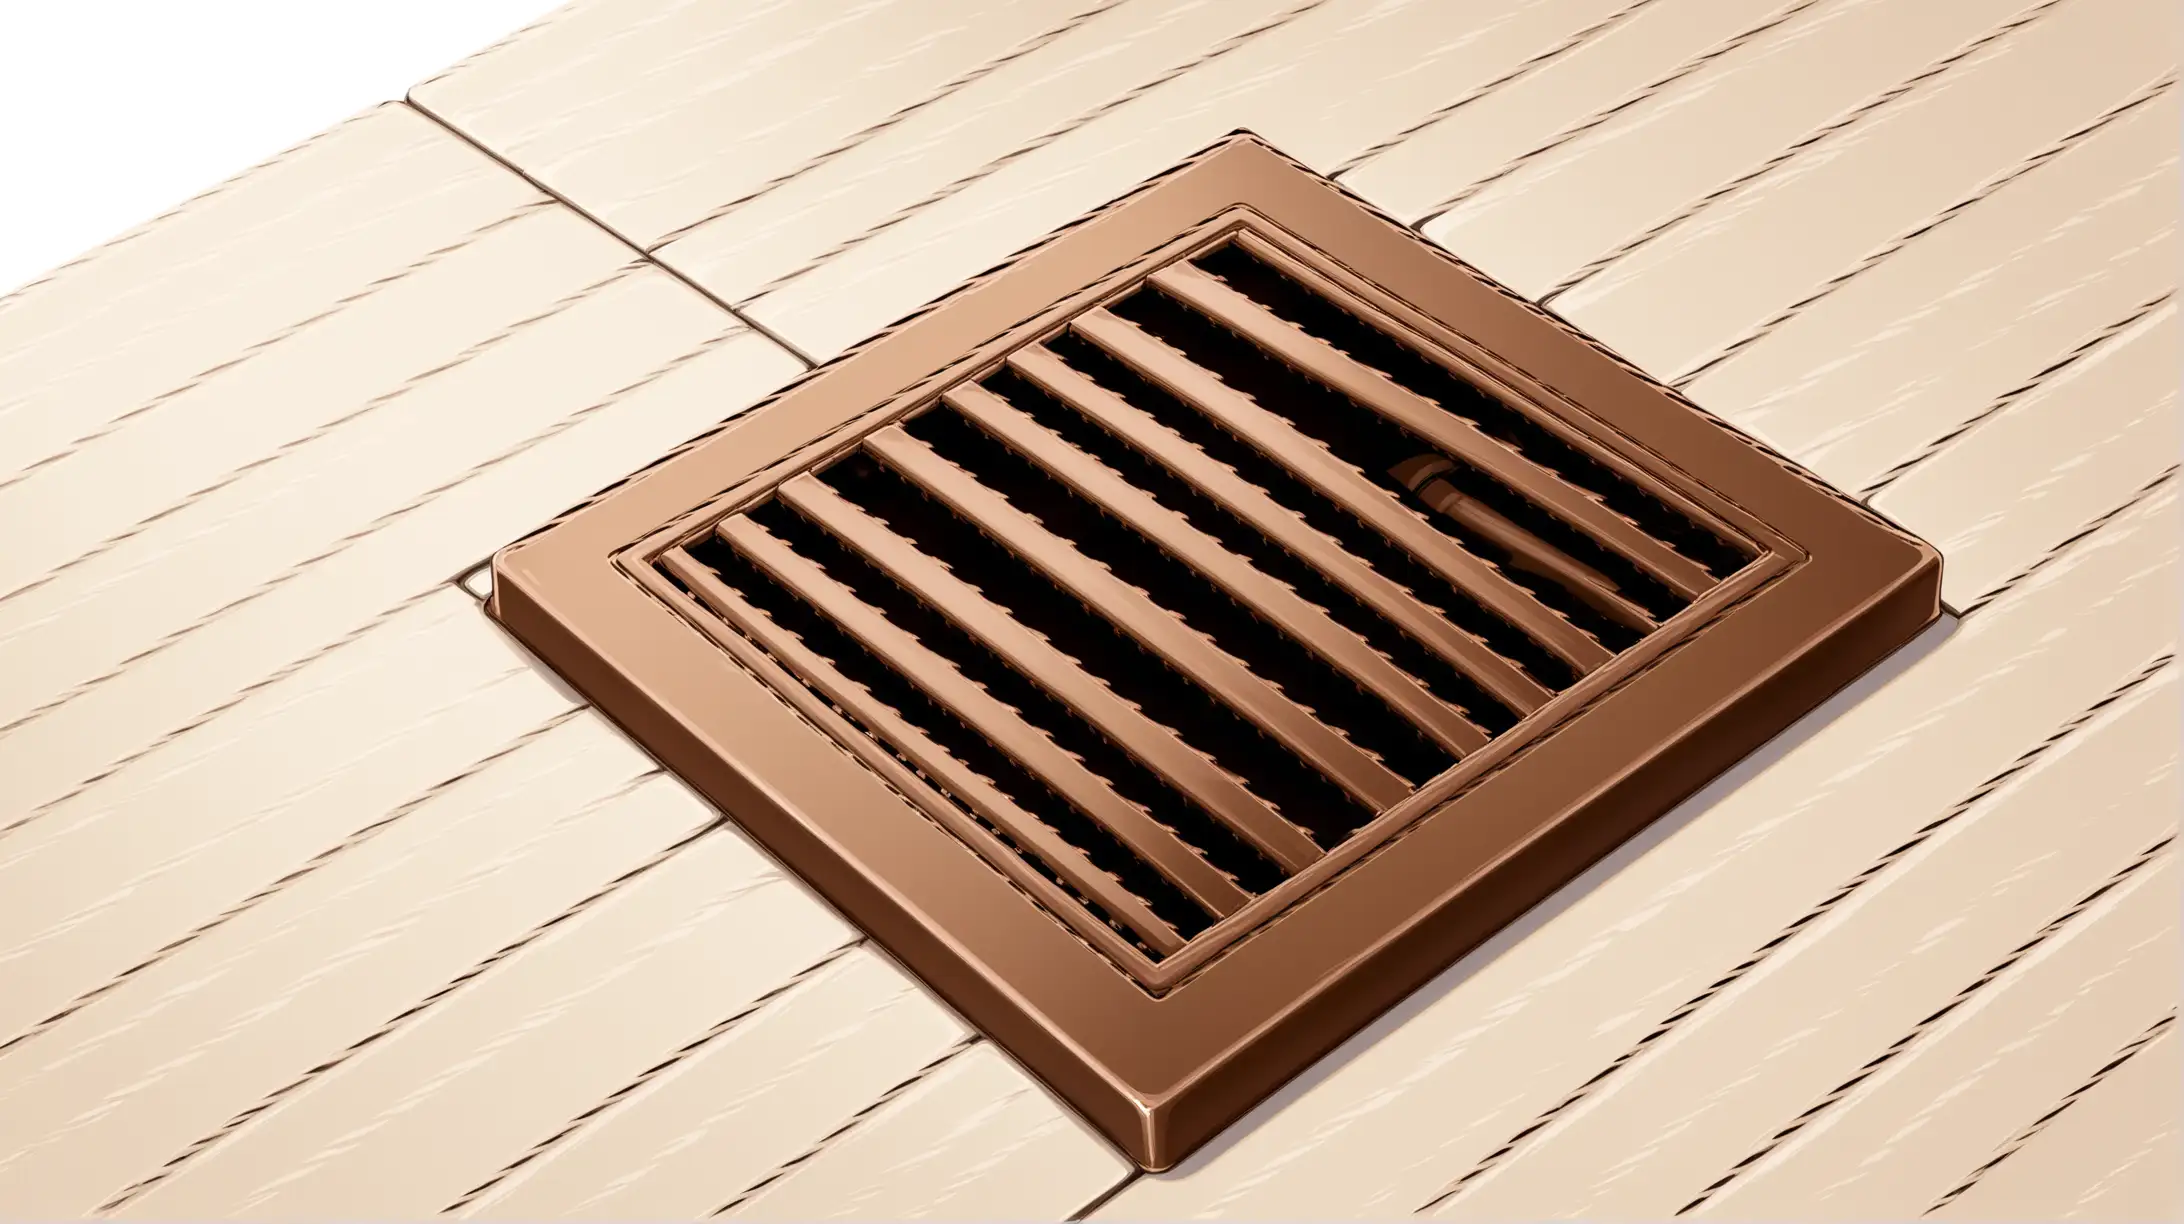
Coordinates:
113 111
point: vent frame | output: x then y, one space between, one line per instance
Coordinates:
1771 554
1244 1033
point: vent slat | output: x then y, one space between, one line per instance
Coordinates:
1237 577
1129 609
1313 356
1159 748
1423 477
1340 483
1639 545
959 779
989 716
1496 675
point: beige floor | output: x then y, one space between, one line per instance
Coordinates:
317 898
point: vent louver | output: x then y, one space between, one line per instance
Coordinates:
1181 642
1181 597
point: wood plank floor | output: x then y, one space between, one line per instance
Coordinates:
319 898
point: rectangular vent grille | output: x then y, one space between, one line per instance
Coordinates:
1209 583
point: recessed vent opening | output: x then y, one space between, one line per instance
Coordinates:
1127 777
1177 494
888 686
1376 448
1302 676
1134 673
1282 295
1177 600
1318 511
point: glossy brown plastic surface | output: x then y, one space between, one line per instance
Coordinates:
1160 1036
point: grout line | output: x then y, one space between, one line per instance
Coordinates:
1104 1197
1918 1031
945 90
1881 254
2016 1142
799 978
227 1129
1536 62
2097 342
1643 93
354 839
1668 1025
2145 491
1846 120
642 255
855 1120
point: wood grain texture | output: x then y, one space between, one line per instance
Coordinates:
2025 479
316 899
640 113
2111 1156
763 242
407 1124
229 588
1480 138
150 852
98 1103
1745 259
1690 1106
1502 1038
1903 1138
771 1085
156 311
1591 197
1862 380
974 1138
1336 78
97 525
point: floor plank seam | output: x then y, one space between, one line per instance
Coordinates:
2142 494
940 93
268 343
2015 1143
14 297
349 842
367 531
652 1073
1919 1031
232 1126
1843 122
1029 147
1533 64
289 447
2149 93
1759 956
642 255
2098 341
1636 97
1104 1197
854 1121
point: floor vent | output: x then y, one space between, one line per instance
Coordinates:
1232 610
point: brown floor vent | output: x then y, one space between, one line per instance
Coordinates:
1181 643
